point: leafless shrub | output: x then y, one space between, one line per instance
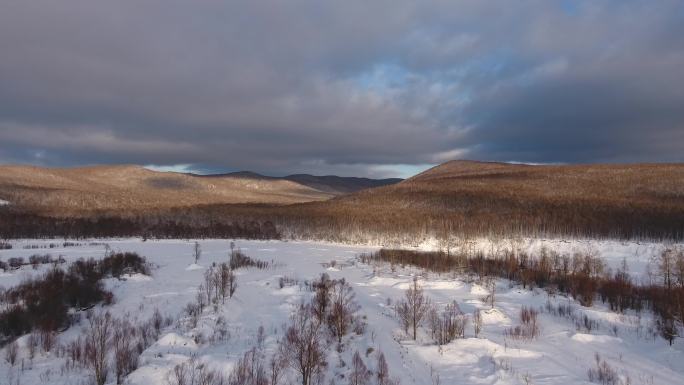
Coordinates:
209 285
11 352
603 373
225 281
448 324
157 321
48 339
359 375
238 259
125 353
287 281
15 262
193 372
193 310
220 330
260 337
96 345
75 352
529 329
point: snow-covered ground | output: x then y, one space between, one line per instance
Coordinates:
562 354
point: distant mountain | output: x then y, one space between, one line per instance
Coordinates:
332 184
340 185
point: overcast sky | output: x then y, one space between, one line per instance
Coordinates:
367 88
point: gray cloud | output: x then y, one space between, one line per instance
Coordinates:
347 87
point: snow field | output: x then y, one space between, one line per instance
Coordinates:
562 354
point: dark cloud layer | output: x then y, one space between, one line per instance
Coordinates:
351 87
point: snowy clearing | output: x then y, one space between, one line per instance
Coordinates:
562 354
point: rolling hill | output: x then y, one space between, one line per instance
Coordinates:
454 200
467 198
67 191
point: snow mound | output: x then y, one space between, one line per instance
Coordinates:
137 277
590 338
494 316
4 202
332 269
478 290
194 266
380 281
173 339
432 285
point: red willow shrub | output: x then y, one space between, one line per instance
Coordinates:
582 276
43 303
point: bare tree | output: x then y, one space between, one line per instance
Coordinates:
477 322
225 282
342 308
665 265
209 284
360 375
276 366
249 370
232 282
491 285
197 251
97 339
382 370
404 315
321 300
302 346
679 266
32 344
414 308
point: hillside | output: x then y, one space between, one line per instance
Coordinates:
448 202
68 191
480 198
